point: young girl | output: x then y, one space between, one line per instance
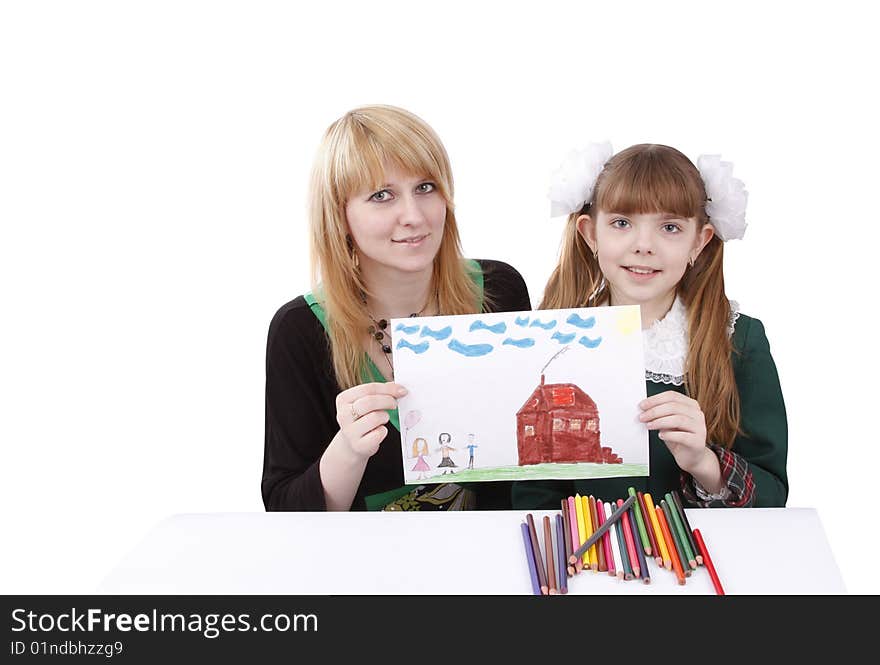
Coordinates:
647 227
384 244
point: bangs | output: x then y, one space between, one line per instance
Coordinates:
363 148
649 179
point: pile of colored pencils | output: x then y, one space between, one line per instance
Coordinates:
617 537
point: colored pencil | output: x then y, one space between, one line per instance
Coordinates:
649 529
566 537
605 542
661 541
640 553
628 539
597 548
680 532
640 522
677 551
676 565
575 539
611 536
582 532
530 557
550 556
560 550
708 561
600 546
624 550
608 522
539 562
687 527
588 523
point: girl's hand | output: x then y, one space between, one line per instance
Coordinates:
361 412
682 427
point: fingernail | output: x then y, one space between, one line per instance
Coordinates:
402 391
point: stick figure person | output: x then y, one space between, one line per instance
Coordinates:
445 449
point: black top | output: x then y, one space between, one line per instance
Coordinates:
301 392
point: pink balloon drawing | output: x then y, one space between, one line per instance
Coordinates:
410 420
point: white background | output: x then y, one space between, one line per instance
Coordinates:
153 163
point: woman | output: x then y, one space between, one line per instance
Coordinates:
384 244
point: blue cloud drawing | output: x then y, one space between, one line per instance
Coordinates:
497 328
546 326
470 350
523 343
575 320
590 343
522 321
409 330
415 348
443 333
563 339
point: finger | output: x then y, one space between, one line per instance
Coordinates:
356 392
677 437
669 409
664 398
367 423
365 405
678 422
371 440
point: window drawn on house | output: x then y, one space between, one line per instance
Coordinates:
558 425
575 424
592 425
529 430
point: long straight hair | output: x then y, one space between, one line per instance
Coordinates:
650 178
353 155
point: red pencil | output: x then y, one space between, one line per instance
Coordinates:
630 545
707 561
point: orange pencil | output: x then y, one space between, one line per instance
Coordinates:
676 564
628 538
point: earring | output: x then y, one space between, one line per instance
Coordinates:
693 261
355 259
596 254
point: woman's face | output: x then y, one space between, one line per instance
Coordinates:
399 226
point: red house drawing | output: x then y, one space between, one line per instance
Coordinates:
559 422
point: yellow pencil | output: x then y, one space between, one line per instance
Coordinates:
588 526
582 530
658 532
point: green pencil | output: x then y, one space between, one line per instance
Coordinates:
680 532
675 548
640 522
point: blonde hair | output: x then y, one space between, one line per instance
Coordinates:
649 178
417 449
353 155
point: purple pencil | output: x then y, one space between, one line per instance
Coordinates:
560 548
530 556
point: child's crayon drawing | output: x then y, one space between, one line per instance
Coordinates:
560 401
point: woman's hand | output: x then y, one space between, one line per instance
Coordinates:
681 425
361 412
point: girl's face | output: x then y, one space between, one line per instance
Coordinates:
399 226
643 256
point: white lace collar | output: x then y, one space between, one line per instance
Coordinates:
666 344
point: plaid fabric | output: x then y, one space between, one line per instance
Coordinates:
739 485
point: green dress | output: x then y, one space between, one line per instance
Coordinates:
763 446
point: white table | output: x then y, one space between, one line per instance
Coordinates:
755 551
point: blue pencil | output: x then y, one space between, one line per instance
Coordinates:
643 566
560 548
530 556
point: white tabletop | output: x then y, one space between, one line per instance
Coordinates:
755 551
